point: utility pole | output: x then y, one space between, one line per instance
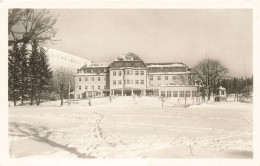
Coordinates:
69 93
247 90
185 97
207 78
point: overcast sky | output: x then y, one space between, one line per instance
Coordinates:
184 35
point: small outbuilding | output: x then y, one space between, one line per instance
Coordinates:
221 94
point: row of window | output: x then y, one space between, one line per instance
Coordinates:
92 78
179 93
119 82
91 87
128 72
165 77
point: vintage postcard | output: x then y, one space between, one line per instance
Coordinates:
88 81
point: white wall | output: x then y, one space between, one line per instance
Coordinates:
163 81
177 88
89 83
130 77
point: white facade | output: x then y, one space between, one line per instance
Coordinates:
129 75
178 91
90 84
169 79
128 78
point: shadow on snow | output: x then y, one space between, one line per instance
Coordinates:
35 133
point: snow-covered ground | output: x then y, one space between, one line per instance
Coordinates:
131 128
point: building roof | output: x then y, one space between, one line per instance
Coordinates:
129 57
170 64
131 60
171 73
95 65
128 60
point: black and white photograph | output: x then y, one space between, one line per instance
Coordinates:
130 83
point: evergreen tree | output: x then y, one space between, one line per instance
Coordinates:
34 66
23 57
25 26
13 73
45 75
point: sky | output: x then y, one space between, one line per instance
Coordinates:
159 35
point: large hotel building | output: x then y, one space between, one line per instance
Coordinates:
129 75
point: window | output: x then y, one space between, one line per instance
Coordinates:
92 78
166 77
174 93
142 81
79 78
86 87
159 77
142 73
222 92
163 93
119 73
128 81
86 78
194 93
136 81
98 87
174 77
151 78
181 77
114 82
92 87
127 64
119 82
181 93
136 72
131 72
79 87
169 93
98 78
131 81
137 64
187 93
118 64
114 73
127 72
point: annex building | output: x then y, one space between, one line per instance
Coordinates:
130 75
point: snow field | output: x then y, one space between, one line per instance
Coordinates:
131 128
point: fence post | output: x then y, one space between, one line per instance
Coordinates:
185 97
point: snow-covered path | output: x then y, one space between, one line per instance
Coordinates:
135 128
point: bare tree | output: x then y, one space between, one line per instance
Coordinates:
27 24
210 71
60 82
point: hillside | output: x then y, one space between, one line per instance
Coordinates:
59 59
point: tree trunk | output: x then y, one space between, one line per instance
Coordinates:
14 98
39 98
32 95
61 99
61 94
209 92
38 102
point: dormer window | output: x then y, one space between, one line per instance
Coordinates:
128 57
